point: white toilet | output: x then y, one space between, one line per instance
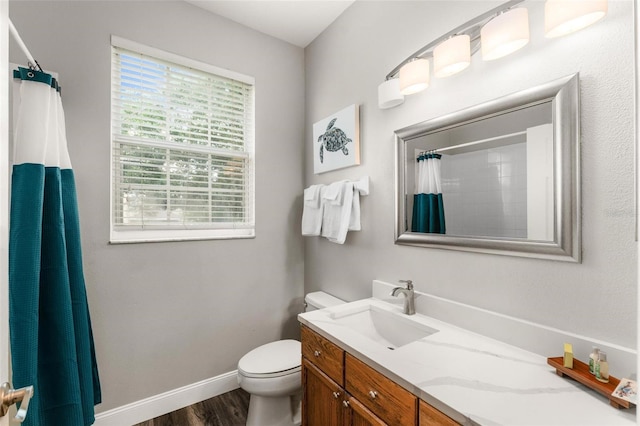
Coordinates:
271 374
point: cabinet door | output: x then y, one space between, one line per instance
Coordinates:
322 398
429 416
359 415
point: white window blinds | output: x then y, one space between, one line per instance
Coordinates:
182 148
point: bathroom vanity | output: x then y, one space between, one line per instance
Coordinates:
366 363
339 389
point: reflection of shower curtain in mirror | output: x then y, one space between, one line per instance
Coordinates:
428 209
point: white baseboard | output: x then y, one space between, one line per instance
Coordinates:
167 402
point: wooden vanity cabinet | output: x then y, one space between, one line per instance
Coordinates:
325 403
324 399
340 390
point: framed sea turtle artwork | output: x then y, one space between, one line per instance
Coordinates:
336 140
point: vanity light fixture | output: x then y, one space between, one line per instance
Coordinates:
498 32
505 34
562 17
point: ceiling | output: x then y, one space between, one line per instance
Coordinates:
298 22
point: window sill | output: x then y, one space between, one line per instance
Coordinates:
159 236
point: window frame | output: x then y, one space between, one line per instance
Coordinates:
209 231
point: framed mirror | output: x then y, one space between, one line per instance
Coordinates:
502 177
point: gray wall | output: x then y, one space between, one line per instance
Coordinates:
167 315
346 64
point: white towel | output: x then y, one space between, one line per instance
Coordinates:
338 204
312 196
360 187
312 210
354 220
334 192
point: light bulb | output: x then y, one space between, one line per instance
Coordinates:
505 34
452 56
414 76
389 94
562 17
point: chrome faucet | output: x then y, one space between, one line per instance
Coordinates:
409 305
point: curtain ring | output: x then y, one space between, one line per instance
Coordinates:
35 67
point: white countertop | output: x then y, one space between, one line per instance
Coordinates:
472 378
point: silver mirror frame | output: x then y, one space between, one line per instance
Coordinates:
564 95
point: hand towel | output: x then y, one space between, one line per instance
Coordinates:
312 210
361 187
334 193
354 219
312 196
337 211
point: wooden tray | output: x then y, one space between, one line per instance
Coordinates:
580 373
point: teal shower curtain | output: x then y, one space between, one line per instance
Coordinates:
50 328
428 207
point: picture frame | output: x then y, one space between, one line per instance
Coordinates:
336 140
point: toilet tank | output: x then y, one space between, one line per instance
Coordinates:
319 300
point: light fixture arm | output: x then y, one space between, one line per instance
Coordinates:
471 28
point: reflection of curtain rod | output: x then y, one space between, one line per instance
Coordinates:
495 138
16 36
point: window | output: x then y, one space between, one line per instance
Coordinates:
182 148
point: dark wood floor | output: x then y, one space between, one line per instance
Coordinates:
228 409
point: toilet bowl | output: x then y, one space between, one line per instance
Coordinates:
271 374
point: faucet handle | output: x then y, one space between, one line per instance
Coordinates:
408 282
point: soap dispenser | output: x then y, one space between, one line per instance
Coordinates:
593 359
602 368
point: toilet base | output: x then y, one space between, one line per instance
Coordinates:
274 411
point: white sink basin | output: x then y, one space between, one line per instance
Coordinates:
389 329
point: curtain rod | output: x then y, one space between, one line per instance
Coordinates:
16 36
493 139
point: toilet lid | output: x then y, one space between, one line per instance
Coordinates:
274 357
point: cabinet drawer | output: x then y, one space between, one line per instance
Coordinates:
429 416
324 354
386 399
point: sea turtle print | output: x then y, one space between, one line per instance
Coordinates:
334 139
